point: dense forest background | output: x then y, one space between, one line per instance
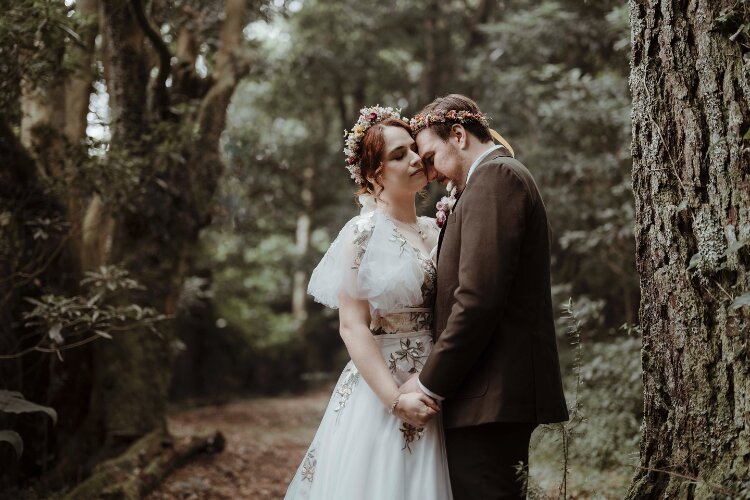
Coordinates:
173 171
552 75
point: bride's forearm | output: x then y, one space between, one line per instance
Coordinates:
369 361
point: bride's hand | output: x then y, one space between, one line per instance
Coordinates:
416 408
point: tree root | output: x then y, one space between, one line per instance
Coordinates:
144 465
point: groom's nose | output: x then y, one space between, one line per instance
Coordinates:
430 172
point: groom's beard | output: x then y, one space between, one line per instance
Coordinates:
434 176
442 179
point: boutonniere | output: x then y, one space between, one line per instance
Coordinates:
445 206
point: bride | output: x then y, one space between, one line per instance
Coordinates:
374 442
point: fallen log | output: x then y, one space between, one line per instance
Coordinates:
144 465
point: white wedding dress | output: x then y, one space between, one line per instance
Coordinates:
360 451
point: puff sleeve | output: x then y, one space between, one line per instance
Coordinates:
369 262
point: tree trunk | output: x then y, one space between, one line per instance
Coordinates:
153 236
431 73
77 95
691 179
151 233
299 288
128 399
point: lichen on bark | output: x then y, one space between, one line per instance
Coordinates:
691 180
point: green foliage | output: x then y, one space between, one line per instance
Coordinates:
14 402
33 38
14 439
60 322
612 390
261 275
554 78
127 182
591 454
734 20
552 75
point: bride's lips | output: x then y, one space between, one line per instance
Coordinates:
420 171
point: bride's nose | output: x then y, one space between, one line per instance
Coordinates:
416 160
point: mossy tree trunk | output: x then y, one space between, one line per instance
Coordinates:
141 208
691 179
157 223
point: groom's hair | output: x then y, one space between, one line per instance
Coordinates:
456 102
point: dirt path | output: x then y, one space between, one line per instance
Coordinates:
266 439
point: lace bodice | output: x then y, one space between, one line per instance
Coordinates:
410 319
371 259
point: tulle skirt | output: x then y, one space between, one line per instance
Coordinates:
360 451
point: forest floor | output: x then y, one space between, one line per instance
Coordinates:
266 439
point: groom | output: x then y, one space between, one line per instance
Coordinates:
495 360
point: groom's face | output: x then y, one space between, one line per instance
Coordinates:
441 158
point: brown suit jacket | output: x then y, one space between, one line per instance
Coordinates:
495 355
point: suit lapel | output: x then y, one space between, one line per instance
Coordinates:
494 155
440 240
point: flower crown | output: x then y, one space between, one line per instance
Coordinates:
424 120
367 118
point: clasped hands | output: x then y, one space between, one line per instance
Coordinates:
414 406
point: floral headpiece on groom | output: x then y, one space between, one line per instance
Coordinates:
367 118
424 120
434 115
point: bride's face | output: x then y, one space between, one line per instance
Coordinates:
403 170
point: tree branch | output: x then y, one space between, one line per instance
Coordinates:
160 97
229 70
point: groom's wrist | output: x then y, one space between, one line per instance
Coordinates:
429 392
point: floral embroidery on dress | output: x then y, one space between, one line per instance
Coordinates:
410 321
346 388
401 322
428 287
362 233
410 434
399 238
410 354
421 321
308 467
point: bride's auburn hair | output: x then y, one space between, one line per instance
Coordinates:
371 159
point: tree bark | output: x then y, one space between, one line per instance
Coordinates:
691 180
128 398
154 235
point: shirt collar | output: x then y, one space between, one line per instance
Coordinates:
479 160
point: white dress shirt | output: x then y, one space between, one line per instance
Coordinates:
479 160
